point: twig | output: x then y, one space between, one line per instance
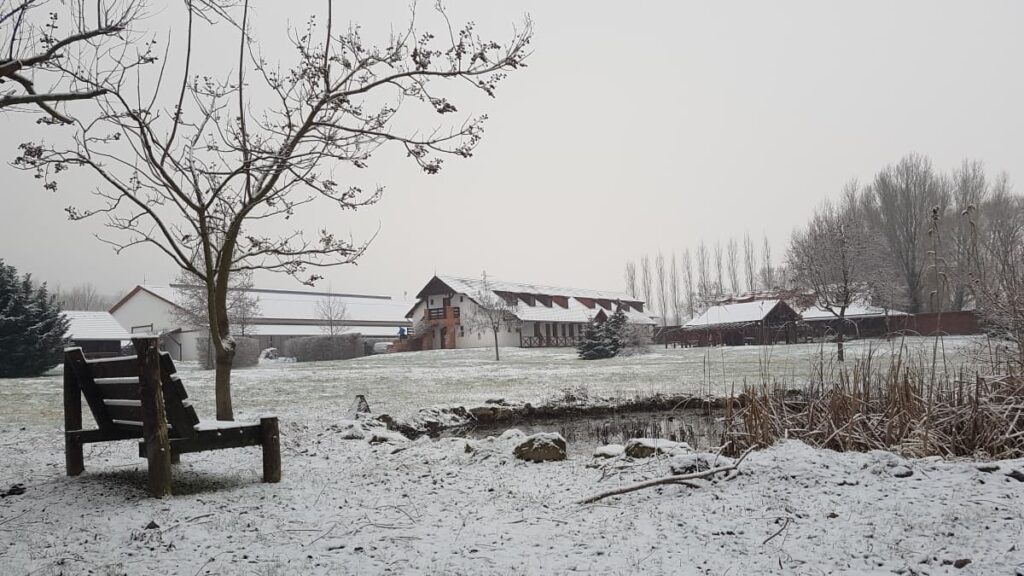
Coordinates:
779 531
677 479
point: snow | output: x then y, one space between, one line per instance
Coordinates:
855 310
348 506
89 325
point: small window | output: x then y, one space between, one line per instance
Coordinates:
479 336
462 331
460 298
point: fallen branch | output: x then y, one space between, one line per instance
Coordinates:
677 479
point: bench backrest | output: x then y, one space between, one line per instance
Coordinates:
111 388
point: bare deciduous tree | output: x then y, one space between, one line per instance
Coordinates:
688 284
630 276
46 46
749 262
333 313
705 289
767 266
192 308
646 287
719 270
732 264
833 256
83 297
492 312
202 170
674 292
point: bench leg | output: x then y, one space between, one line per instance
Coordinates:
271 441
74 460
175 458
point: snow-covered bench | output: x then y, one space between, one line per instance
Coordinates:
123 393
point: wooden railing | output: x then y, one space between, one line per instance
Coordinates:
439 313
552 342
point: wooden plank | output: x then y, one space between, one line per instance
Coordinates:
74 459
154 418
270 438
82 372
118 388
93 436
180 413
118 367
206 440
124 410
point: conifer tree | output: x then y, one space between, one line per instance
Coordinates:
32 328
590 346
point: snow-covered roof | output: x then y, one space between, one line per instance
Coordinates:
474 285
736 313
316 330
853 311
574 311
88 325
302 305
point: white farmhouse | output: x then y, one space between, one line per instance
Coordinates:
284 314
546 315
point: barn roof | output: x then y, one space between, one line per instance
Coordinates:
88 325
576 300
857 310
299 305
735 314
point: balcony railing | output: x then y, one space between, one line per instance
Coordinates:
439 313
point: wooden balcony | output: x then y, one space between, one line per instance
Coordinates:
442 315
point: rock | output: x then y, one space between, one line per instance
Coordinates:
497 401
14 490
152 525
609 451
901 472
350 430
988 468
647 447
511 434
543 447
697 462
487 414
383 436
428 421
1016 475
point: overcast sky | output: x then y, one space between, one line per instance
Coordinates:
637 126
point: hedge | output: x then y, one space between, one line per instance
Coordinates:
321 348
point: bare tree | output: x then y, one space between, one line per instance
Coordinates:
704 283
732 263
659 268
192 308
767 267
194 171
902 198
719 270
333 313
970 190
674 295
630 276
832 257
47 45
688 284
749 262
83 297
645 281
492 312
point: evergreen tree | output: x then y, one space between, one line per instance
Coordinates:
32 328
603 339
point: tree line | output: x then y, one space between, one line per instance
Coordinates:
912 238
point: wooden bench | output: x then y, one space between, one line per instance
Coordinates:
141 397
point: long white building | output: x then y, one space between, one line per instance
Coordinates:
284 314
546 315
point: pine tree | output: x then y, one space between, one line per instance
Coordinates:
603 339
615 333
591 346
32 328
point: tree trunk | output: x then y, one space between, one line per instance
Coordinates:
223 346
222 389
839 341
496 357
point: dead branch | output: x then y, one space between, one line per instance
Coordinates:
676 479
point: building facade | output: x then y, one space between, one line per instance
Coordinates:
447 313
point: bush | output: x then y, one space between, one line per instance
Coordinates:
247 353
32 328
321 348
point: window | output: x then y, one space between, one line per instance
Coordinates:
462 331
446 302
460 298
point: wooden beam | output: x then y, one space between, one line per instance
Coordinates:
271 440
74 459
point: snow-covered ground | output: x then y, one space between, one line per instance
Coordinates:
401 383
434 507
456 506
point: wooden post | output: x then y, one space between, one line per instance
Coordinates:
270 438
154 420
74 460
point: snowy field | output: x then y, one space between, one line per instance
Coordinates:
401 383
438 507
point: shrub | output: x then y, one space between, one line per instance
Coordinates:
247 353
32 328
322 348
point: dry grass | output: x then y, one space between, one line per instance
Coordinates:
917 406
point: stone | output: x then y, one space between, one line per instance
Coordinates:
609 451
988 468
491 413
901 472
647 447
511 434
696 462
1016 475
543 447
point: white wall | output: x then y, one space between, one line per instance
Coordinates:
144 309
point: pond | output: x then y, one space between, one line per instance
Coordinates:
698 428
